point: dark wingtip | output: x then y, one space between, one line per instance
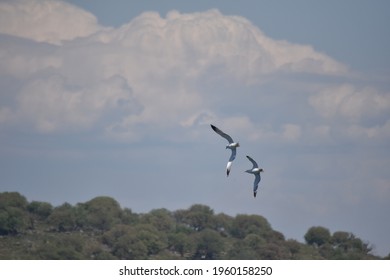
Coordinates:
213 127
254 194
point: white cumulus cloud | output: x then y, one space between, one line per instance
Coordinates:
179 68
45 20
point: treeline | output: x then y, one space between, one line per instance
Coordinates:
101 229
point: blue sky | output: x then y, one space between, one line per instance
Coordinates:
116 98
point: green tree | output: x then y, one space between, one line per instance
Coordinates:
154 240
13 220
100 213
247 248
181 243
317 236
209 245
13 199
161 219
239 250
96 250
273 251
124 243
247 224
39 212
294 248
42 210
134 242
60 247
223 224
13 216
255 246
128 217
63 218
340 239
347 246
197 217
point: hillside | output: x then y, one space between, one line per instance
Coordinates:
101 229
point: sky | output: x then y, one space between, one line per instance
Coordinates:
116 98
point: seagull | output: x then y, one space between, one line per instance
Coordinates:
232 146
255 171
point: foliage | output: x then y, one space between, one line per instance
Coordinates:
12 199
63 218
13 217
101 229
209 245
340 245
317 236
100 213
42 210
248 224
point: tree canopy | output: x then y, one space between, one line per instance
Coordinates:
101 229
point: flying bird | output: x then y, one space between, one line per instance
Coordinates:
232 146
255 171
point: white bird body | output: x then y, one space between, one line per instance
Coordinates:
232 146
255 171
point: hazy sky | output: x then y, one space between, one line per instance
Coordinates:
116 98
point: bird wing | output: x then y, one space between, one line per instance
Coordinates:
228 167
233 155
256 183
223 134
229 164
253 162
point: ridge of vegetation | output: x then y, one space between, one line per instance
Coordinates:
101 229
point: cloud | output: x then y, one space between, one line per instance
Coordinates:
24 58
183 70
292 132
45 20
195 42
380 132
358 112
351 103
53 104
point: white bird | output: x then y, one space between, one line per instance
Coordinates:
232 146
255 171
